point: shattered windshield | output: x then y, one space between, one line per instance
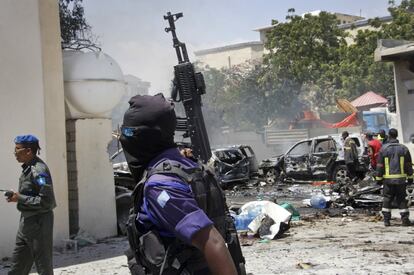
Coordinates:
229 156
302 148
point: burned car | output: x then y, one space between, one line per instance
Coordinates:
233 164
124 185
318 158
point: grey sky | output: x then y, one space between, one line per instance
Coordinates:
132 31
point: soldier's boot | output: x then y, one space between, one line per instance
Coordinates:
405 219
387 218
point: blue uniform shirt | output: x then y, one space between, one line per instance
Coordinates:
169 203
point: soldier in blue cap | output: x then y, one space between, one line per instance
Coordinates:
35 200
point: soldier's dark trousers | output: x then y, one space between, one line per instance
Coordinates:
351 167
34 243
395 191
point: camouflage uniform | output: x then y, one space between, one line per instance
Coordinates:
34 240
351 157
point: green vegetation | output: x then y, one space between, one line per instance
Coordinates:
309 64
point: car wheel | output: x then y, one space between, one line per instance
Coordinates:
271 176
340 174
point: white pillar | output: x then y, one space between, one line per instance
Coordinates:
91 181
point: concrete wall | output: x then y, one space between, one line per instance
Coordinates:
243 137
95 180
31 101
405 103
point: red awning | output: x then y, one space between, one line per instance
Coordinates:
369 98
349 121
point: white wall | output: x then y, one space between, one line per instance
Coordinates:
96 188
31 101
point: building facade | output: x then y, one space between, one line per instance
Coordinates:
230 55
236 54
401 53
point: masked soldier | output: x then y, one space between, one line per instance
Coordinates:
394 169
35 200
179 222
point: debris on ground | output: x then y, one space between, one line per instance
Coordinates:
264 219
83 238
304 265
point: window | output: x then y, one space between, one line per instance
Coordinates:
356 140
247 151
325 146
302 148
229 156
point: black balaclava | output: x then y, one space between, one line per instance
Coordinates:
147 130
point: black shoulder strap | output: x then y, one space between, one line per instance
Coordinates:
170 167
138 192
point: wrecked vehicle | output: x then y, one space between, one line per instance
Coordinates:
318 158
232 164
124 185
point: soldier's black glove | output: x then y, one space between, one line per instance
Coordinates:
379 182
409 181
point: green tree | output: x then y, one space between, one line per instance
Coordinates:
358 72
302 53
309 65
75 31
213 108
232 98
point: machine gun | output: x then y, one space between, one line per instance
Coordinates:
188 88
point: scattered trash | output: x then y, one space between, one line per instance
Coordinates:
319 183
277 213
349 208
295 188
266 223
242 221
83 238
262 183
306 202
292 210
318 201
304 265
70 246
376 218
264 241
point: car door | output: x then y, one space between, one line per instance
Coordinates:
248 152
297 161
322 157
